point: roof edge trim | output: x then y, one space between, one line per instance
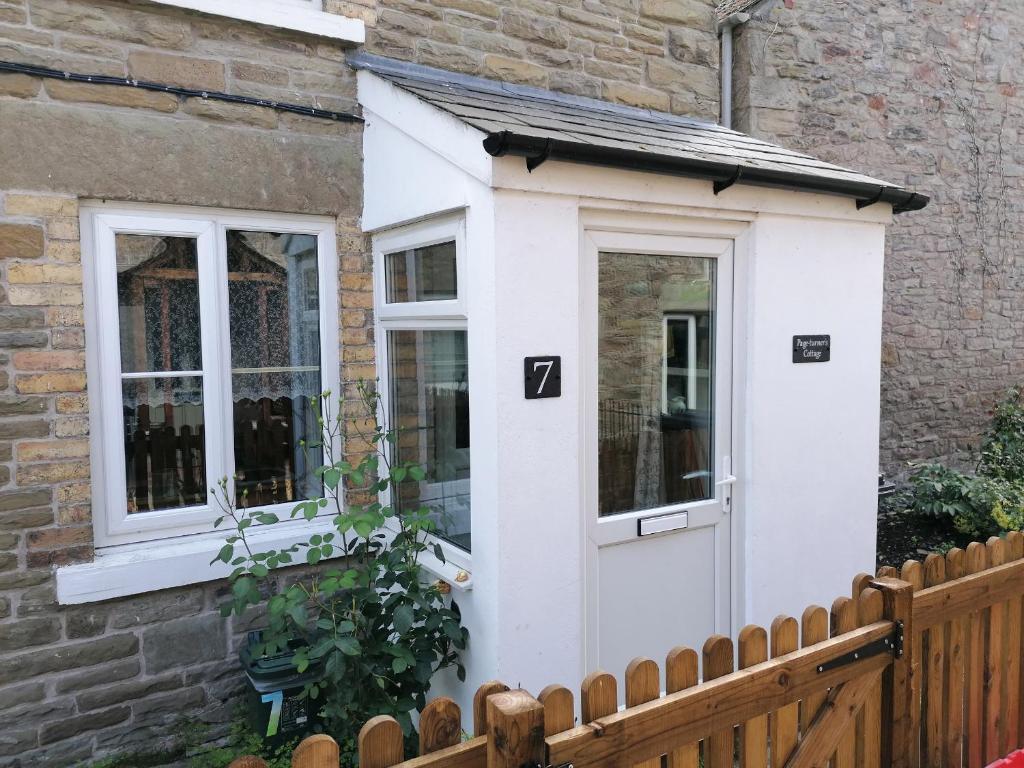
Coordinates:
537 150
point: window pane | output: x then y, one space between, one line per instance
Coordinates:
158 303
274 310
655 359
165 463
421 274
429 403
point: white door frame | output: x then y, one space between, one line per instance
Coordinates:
696 239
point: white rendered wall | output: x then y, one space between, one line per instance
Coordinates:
811 430
540 578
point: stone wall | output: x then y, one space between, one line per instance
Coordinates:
927 94
661 54
119 677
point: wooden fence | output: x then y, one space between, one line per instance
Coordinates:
919 667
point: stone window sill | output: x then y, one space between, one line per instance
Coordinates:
283 15
134 569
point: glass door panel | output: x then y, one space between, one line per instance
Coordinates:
656 329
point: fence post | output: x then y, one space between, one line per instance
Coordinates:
515 730
898 730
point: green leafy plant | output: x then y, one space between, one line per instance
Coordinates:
990 501
366 613
241 740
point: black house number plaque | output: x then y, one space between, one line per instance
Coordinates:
542 377
812 349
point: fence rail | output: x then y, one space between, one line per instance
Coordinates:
832 688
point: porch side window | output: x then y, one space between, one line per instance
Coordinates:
655 364
426 372
215 351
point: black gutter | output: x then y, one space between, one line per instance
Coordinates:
76 77
537 150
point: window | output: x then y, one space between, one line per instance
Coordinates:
425 371
209 334
655 340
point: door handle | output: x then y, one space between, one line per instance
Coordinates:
728 480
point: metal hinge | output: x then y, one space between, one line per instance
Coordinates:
892 644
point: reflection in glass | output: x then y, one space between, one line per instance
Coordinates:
273 306
158 303
163 433
429 405
421 274
655 371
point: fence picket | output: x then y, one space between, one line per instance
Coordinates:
381 745
956 568
913 574
598 696
1011 720
248 761
813 630
1015 540
869 610
977 561
559 714
861 582
440 725
995 655
753 649
681 673
784 722
844 619
888 572
933 646
718 661
480 704
643 685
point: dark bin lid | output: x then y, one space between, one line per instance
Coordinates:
277 671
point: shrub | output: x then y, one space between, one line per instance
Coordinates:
380 629
990 501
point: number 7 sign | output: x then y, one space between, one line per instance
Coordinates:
542 377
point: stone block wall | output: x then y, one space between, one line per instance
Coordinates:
122 677
927 94
661 54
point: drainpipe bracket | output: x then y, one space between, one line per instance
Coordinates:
721 186
537 160
865 202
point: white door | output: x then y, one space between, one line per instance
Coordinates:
658 320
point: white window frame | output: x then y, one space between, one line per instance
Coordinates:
691 361
438 315
299 15
113 526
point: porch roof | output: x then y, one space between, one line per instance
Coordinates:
540 125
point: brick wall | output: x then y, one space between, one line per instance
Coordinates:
661 54
927 94
119 677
